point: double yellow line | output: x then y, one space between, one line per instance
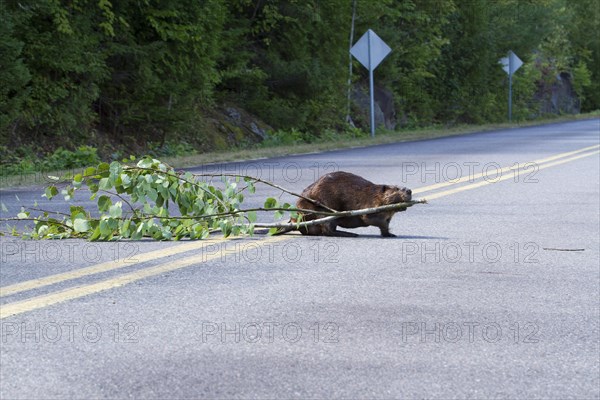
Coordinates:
204 247
41 301
502 174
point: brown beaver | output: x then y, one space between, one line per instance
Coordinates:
343 191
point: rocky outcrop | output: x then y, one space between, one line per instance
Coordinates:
558 96
385 111
233 126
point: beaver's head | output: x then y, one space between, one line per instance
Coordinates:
395 194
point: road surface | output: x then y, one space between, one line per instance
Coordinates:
489 291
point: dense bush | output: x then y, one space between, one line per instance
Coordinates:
143 70
25 160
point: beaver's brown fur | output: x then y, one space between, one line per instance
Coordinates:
343 191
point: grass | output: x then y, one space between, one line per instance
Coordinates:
332 143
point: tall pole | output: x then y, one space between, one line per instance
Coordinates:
349 100
371 90
510 72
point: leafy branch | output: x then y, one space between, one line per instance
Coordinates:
164 204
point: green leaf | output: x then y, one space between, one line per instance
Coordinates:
104 203
145 162
3 207
125 180
105 184
81 225
96 234
114 167
76 211
226 229
50 192
115 210
89 171
271 202
105 230
152 194
251 216
103 168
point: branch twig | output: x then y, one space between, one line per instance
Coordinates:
341 214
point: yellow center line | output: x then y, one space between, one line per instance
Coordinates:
103 267
501 171
46 300
502 178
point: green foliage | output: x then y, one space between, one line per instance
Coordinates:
60 159
136 202
290 57
583 28
163 62
171 148
14 75
66 159
147 71
63 54
582 80
525 85
150 199
288 137
294 136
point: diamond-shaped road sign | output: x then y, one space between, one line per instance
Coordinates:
514 63
510 65
370 50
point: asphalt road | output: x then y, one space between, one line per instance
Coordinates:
489 291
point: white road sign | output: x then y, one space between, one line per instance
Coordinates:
512 61
510 65
370 50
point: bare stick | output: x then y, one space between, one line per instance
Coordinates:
315 202
341 214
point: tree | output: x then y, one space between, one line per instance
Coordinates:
162 57
14 77
583 34
62 52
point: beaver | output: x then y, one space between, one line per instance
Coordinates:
343 191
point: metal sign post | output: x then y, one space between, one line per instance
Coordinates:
370 50
510 65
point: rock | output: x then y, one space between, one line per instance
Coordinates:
558 97
258 131
234 115
385 112
236 126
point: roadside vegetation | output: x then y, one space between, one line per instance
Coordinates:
85 81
